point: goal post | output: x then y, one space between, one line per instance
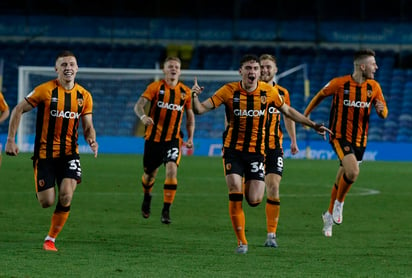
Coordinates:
306 95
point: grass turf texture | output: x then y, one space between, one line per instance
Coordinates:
106 236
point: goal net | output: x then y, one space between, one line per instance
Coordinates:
115 92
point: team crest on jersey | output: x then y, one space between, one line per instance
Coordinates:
263 99
228 166
346 148
42 183
369 93
80 102
183 96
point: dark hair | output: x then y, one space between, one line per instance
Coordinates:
363 53
65 53
248 58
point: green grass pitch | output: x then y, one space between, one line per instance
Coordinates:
106 236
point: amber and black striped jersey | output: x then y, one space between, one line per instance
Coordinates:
167 106
246 115
3 103
351 107
274 134
58 115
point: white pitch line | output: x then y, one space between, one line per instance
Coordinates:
365 192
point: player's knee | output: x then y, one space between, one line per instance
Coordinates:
351 176
45 200
46 203
148 178
254 204
65 200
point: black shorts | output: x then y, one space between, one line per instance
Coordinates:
343 147
274 162
51 172
248 165
156 154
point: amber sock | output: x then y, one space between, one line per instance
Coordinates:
237 216
343 188
272 214
169 190
333 197
58 220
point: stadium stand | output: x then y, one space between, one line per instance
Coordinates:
216 42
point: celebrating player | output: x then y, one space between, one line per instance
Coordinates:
246 104
61 103
274 149
354 95
168 98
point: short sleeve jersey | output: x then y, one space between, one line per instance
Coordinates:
58 115
167 105
246 114
351 107
274 134
3 103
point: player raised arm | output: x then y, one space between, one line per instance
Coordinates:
200 107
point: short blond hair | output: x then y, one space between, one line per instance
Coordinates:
172 58
267 57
